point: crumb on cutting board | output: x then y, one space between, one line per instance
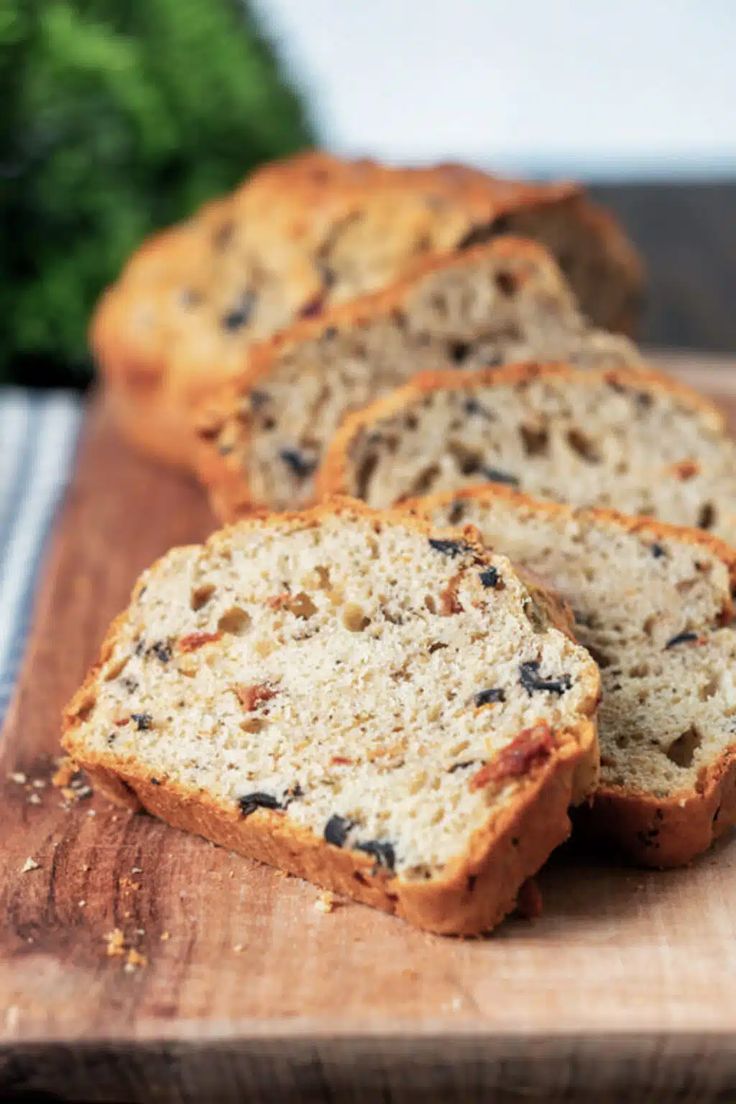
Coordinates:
134 960
65 770
69 779
126 882
118 947
115 943
30 864
326 901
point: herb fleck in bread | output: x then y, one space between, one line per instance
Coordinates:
653 605
385 709
302 235
492 304
625 438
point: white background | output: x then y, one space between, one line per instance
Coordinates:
606 88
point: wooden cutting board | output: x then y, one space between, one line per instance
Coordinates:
627 981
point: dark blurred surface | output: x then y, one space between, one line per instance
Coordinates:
687 236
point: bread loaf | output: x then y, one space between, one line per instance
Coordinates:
300 236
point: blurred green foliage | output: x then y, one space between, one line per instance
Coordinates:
116 117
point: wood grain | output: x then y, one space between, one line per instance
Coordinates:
627 981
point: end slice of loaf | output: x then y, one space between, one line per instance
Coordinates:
652 603
302 235
493 304
625 438
385 709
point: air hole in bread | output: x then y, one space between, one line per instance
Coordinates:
458 351
682 750
234 621
424 481
364 473
600 657
507 283
650 624
581 444
534 439
201 595
537 618
301 605
686 585
711 688
252 724
354 617
469 461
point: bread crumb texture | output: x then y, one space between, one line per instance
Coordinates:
387 690
626 439
652 603
499 303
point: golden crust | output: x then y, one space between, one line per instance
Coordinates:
297 204
474 892
332 475
669 831
659 832
472 897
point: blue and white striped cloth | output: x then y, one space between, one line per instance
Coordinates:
38 436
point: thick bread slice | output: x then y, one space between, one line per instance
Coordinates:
652 603
304 234
495 303
385 709
626 438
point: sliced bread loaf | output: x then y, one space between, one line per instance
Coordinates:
627 438
652 603
495 303
385 709
302 235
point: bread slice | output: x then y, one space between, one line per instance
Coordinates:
300 236
493 304
653 605
383 708
625 438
